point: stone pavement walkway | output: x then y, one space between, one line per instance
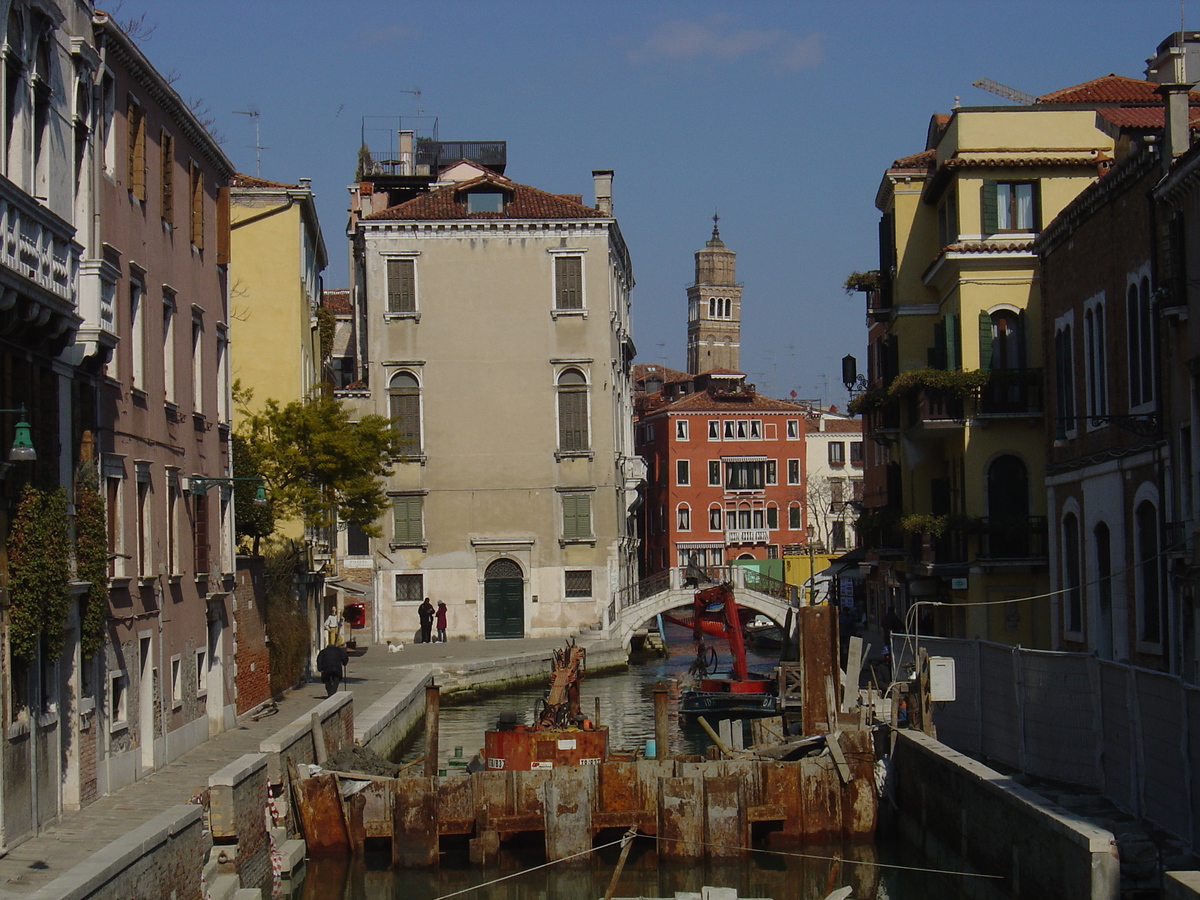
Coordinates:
40 860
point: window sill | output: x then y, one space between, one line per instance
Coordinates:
146 581
590 541
46 719
119 581
409 545
560 455
569 313
410 458
578 599
202 693
137 394
117 727
175 579
402 316
86 705
18 729
176 705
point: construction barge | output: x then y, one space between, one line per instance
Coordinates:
558 783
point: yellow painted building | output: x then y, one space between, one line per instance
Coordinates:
277 255
954 412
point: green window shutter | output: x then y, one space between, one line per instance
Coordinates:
937 353
406 513
406 415
985 340
401 286
572 420
1022 339
953 360
568 282
577 519
991 218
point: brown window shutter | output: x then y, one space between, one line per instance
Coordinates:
200 507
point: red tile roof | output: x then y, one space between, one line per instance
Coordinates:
642 371
337 300
702 401
1109 89
524 202
1148 118
249 181
926 159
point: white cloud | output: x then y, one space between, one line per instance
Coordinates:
717 38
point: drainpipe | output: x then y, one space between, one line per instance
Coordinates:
1169 152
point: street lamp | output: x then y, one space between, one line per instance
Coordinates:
199 485
855 383
22 445
812 565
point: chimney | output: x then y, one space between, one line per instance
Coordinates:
603 181
1176 129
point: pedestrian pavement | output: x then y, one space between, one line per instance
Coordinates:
59 847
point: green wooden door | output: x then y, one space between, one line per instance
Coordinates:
503 600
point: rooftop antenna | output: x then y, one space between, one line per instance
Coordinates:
1003 90
254 114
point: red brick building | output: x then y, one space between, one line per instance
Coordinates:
726 470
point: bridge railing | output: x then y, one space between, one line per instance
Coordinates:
677 579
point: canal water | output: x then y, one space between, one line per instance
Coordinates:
879 871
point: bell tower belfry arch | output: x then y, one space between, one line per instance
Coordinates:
714 309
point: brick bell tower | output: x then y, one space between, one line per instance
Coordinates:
714 309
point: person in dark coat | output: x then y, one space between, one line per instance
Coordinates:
331 662
441 622
425 611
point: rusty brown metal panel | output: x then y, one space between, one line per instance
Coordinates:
860 805
414 824
620 789
455 806
377 809
680 818
353 806
726 831
528 791
484 848
781 788
491 793
821 799
570 795
747 772
319 805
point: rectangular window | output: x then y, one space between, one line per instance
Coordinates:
714 472
756 429
358 543
728 431
401 286
167 178
197 367
485 202
856 453
577 516
572 416
837 494
578 583
683 519
145 533
173 496
137 150
410 588
406 519
137 334
745 476
176 680
568 282
196 204
168 349
683 475
681 429
1008 206
772 473
200 533
118 700
222 367
793 429
714 519
837 453
742 429
202 672
714 430
838 535
116 556
793 471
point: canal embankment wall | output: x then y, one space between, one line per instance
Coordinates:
1131 734
967 817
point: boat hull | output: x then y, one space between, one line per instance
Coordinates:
727 705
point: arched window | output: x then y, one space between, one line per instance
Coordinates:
1104 592
714 518
1071 581
795 517
683 518
1147 335
1141 343
1003 341
41 115
1148 572
1008 534
572 411
14 65
404 399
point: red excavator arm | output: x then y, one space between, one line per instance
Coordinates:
723 594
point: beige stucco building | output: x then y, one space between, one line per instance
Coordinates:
496 320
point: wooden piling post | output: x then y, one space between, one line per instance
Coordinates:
662 730
433 706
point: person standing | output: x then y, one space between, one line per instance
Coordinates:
425 612
331 663
333 627
441 621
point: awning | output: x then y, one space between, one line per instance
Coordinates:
846 566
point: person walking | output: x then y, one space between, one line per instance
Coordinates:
441 621
331 663
425 612
333 627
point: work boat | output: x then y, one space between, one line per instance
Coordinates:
737 694
561 735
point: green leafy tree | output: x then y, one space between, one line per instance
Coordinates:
316 462
91 556
255 521
38 573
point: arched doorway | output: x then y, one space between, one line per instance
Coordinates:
503 600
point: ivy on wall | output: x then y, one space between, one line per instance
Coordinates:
39 569
91 557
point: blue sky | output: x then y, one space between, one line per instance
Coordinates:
780 115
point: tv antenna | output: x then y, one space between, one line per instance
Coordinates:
254 114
